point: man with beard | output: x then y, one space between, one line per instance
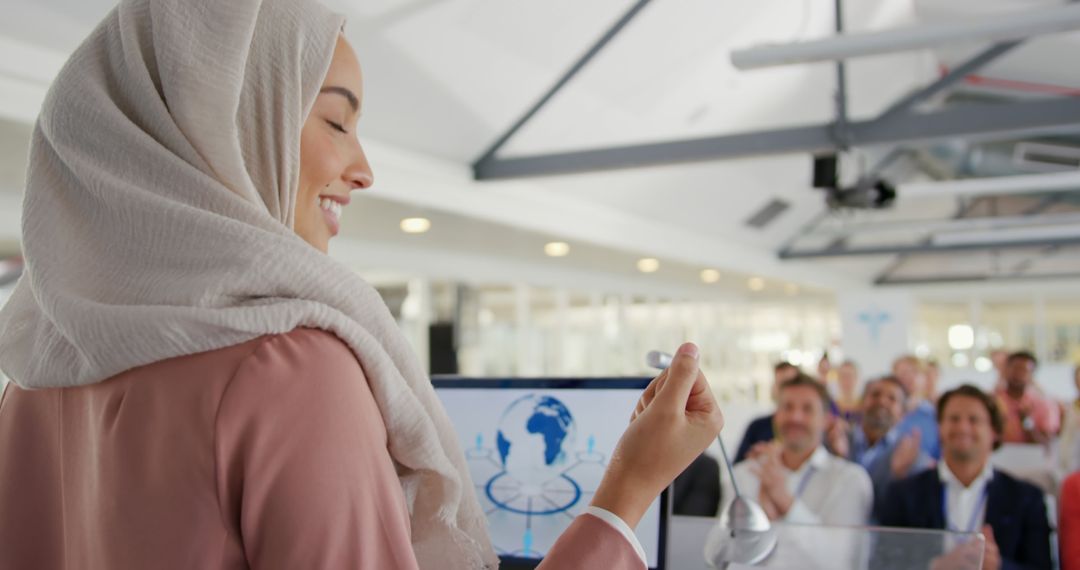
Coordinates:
795 479
877 445
1030 417
966 494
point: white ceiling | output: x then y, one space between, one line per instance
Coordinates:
444 79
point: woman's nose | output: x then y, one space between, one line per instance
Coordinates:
358 175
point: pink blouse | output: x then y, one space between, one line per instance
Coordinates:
268 454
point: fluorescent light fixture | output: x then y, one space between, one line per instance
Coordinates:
1035 234
1015 25
710 275
648 265
415 225
908 226
557 249
994 185
755 284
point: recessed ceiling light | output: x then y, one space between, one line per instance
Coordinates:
648 265
756 283
415 225
710 275
557 249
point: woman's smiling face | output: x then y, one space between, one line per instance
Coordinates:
332 162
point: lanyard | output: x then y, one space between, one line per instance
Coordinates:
974 512
867 458
872 452
804 481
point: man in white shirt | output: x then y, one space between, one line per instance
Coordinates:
965 494
795 479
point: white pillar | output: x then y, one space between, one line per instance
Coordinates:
597 342
1042 351
626 349
975 307
417 314
558 346
523 364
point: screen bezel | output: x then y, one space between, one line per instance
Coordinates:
441 382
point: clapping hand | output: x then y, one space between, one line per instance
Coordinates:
906 453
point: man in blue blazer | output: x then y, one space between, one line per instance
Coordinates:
964 493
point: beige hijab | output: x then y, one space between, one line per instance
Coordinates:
157 223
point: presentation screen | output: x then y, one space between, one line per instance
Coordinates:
537 450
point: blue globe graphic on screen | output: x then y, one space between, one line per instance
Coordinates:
535 438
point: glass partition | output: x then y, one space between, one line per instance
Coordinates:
701 543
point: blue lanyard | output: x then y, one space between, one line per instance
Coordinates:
974 513
871 454
804 481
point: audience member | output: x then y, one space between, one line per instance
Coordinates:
966 494
824 368
932 376
761 429
1069 523
919 414
877 445
1030 417
795 479
696 491
1069 442
847 392
998 357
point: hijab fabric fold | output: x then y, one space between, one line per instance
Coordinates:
157 222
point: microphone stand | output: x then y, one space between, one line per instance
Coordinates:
743 535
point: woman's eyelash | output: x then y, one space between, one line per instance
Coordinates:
337 126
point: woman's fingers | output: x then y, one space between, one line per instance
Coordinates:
648 395
682 376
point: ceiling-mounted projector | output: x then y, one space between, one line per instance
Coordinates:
869 193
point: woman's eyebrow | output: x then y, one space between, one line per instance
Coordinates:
354 101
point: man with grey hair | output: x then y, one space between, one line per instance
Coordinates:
877 444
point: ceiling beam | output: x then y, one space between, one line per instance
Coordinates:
610 34
975 277
1015 25
951 78
927 247
950 224
972 121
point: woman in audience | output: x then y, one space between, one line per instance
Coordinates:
1069 523
196 383
847 392
1069 442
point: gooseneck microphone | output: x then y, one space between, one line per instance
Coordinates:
743 534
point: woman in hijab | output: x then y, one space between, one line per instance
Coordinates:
196 383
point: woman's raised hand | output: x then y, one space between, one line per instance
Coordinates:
674 421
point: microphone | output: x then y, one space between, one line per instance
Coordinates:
657 359
743 535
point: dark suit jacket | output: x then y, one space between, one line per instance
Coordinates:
697 490
761 429
1014 509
